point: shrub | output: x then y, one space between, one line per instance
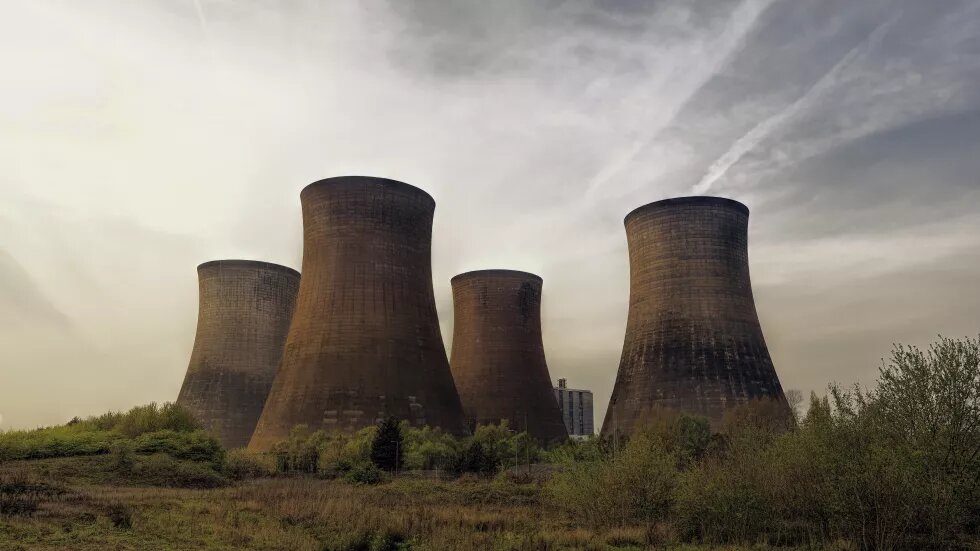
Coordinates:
636 486
474 458
306 452
153 418
722 499
300 452
364 473
163 470
242 465
428 448
492 448
95 435
120 515
122 457
579 490
592 449
192 446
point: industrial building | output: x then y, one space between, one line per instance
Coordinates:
693 339
576 409
244 312
365 342
498 360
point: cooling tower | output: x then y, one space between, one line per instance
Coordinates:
498 358
693 340
243 317
365 342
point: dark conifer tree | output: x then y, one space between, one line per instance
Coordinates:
387 449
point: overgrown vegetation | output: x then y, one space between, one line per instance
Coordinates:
491 449
148 445
893 467
896 467
147 427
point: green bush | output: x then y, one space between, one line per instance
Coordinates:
310 452
95 435
592 449
153 418
243 465
493 448
490 449
428 448
364 472
192 446
473 457
163 470
635 486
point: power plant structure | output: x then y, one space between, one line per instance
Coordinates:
693 339
575 405
498 359
364 343
244 312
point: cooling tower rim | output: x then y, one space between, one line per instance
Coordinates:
242 263
692 200
496 272
360 180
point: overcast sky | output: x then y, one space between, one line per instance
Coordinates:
139 139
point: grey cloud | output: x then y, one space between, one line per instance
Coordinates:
920 173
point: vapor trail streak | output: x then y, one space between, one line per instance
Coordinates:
202 19
744 18
751 139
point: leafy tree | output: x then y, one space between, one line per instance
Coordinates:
428 448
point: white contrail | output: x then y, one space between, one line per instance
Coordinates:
202 19
751 139
206 29
744 18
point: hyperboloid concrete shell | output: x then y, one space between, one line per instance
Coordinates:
243 317
365 342
693 340
498 357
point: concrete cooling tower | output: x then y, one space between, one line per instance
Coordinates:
498 358
365 342
243 317
693 340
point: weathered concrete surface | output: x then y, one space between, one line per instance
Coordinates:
243 317
693 340
498 359
365 342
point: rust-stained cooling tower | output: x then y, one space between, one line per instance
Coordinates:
498 358
365 342
693 339
243 317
